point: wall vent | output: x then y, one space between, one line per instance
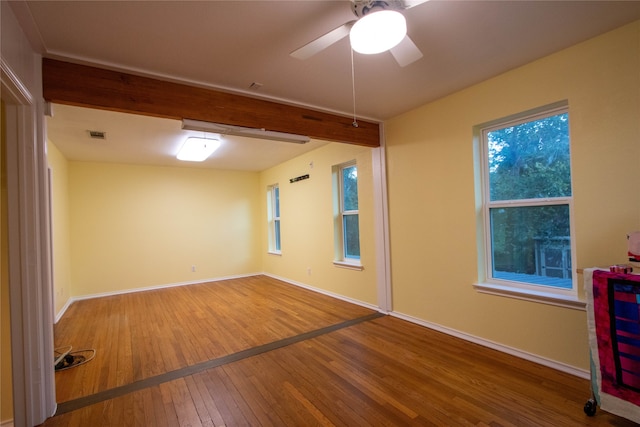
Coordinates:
96 134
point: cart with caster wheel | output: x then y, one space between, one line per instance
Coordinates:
613 317
590 407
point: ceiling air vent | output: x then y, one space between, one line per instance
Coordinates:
96 134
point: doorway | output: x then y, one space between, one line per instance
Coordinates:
27 253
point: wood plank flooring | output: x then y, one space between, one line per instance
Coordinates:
375 371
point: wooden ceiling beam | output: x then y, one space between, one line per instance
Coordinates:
81 85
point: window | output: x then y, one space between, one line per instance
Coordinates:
273 209
347 219
527 202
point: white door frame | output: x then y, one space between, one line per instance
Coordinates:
29 256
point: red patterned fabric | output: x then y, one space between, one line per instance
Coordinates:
616 305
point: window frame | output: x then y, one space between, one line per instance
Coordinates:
341 258
523 290
274 221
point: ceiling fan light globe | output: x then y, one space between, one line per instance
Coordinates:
377 32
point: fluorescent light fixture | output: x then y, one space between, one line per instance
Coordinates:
197 149
242 131
378 31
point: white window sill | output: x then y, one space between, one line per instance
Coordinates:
349 265
274 253
539 296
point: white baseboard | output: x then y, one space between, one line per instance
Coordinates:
559 366
62 311
324 292
71 300
563 367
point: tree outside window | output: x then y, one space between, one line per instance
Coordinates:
528 200
273 204
350 222
345 215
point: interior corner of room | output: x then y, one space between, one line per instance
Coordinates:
126 216
120 227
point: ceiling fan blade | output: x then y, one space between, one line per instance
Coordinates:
412 3
406 52
323 42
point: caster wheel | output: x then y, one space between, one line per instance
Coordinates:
590 407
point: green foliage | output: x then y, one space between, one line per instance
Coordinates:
351 230
350 188
517 230
351 236
528 161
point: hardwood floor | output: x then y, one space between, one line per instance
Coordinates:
260 352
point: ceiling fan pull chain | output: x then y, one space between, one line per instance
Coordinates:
353 90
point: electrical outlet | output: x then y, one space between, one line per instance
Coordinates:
309 271
193 268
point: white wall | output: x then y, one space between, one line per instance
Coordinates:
29 281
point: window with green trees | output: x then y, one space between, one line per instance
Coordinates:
350 222
273 206
528 200
347 222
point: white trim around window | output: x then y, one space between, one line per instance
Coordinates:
345 211
540 286
273 218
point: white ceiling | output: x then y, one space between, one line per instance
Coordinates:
144 140
229 45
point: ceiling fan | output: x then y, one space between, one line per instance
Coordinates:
400 45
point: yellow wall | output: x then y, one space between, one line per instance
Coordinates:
140 226
6 392
431 191
61 242
306 213
121 227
